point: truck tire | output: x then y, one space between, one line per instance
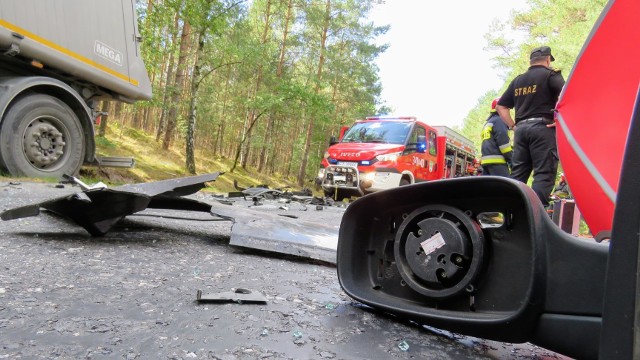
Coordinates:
40 136
404 181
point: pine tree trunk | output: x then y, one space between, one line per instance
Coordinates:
181 75
225 98
309 135
191 128
117 112
267 149
102 130
170 81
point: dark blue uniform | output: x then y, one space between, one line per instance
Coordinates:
496 147
534 95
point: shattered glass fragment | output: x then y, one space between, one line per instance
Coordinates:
403 345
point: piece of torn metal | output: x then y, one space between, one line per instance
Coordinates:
240 296
272 232
98 209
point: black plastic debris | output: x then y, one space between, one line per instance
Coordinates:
97 209
265 192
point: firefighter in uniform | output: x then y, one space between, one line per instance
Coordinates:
534 95
496 145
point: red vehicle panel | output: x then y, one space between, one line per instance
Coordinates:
592 134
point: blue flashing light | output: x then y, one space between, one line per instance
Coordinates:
332 161
365 162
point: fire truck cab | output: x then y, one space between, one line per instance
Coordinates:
380 153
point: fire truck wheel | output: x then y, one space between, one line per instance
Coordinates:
404 181
41 137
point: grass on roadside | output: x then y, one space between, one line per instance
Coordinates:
152 163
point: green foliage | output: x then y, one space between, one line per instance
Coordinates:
584 229
271 69
153 164
261 74
104 143
136 134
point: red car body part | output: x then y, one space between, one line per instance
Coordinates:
594 112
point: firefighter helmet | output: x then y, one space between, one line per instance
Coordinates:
494 103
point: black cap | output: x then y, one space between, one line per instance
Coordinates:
541 51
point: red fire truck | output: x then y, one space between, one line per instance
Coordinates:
380 153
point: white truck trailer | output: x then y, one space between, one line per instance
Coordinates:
57 60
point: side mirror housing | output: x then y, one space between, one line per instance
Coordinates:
478 256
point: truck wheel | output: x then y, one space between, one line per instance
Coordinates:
40 136
404 181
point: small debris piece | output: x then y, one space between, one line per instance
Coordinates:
327 355
403 345
240 296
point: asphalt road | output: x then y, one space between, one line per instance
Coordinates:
132 294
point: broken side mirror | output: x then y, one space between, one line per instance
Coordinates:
478 256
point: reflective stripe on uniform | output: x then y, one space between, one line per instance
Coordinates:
492 159
505 148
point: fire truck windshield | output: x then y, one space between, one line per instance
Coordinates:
391 132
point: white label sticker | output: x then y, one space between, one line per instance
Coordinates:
432 244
